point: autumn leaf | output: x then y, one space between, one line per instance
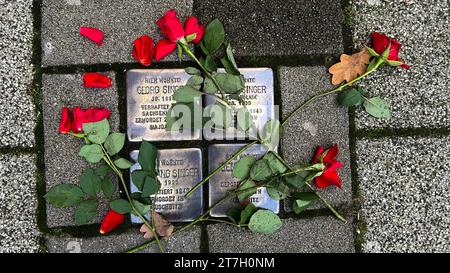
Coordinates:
350 67
163 227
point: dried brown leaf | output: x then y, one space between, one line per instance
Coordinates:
163 227
350 67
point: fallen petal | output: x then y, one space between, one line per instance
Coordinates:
93 34
96 80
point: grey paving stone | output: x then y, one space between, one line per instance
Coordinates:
319 234
16 74
18 227
322 123
122 22
418 97
282 27
62 163
404 183
187 241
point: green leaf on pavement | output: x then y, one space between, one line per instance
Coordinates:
97 132
271 133
86 212
195 81
244 119
277 190
138 179
108 187
264 221
192 71
209 86
248 188
242 168
93 153
64 195
303 200
297 180
114 143
148 157
141 208
102 170
260 170
220 115
274 163
351 97
247 213
230 84
234 215
151 186
90 183
186 94
214 36
122 163
377 107
121 206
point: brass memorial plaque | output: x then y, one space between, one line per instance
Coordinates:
258 96
149 97
223 182
179 171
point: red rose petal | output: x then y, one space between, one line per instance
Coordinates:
96 80
171 26
192 26
111 221
143 50
95 114
164 48
328 179
93 34
78 119
65 123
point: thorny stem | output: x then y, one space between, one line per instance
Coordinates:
108 161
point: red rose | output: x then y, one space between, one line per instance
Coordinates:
72 119
381 42
96 80
111 221
329 175
171 26
93 34
164 48
192 26
143 50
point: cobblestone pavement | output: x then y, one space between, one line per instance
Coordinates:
397 172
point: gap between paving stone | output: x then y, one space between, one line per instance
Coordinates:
318 234
62 163
322 123
187 241
121 21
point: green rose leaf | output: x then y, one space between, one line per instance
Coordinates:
108 187
90 183
244 119
248 188
303 200
120 206
234 215
220 115
351 97
214 36
209 86
138 179
102 170
247 213
242 168
186 94
234 68
148 156
93 153
377 107
210 64
97 132
274 163
141 208
297 180
192 71
230 84
64 195
260 170
195 81
122 163
86 212
264 221
151 186
114 143
270 136
278 190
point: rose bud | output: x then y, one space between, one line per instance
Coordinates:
171 26
381 42
111 221
329 175
191 26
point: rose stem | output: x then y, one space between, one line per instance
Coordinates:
119 174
